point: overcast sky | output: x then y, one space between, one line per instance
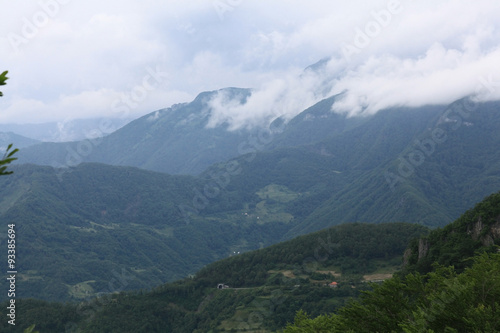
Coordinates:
82 59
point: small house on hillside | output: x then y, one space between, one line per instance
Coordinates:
333 285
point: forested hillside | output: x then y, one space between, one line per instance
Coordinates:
421 165
290 286
78 229
175 140
265 287
413 170
254 200
449 284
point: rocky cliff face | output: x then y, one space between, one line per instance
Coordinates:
486 235
422 249
478 229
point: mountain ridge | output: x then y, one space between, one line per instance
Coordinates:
268 190
173 140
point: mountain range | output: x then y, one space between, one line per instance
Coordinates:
93 213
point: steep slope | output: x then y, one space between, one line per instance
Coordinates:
174 140
315 173
425 170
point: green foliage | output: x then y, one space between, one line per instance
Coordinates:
47 316
304 324
8 156
278 283
113 226
3 78
6 160
352 247
267 299
441 301
96 221
463 297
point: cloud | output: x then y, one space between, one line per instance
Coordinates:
154 116
91 104
284 97
422 53
441 76
86 55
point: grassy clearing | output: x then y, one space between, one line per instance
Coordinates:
334 273
376 277
81 290
277 193
265 213
30 275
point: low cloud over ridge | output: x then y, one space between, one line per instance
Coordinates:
88 56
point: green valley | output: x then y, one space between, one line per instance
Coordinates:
264 288
317 283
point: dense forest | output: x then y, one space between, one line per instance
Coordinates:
266 287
